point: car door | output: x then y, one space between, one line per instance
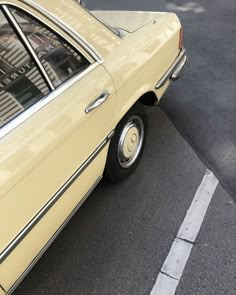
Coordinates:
56 109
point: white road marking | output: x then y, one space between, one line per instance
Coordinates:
165 285
195 215
177 258
173 267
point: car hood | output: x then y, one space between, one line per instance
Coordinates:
129 21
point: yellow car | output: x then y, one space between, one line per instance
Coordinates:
72 91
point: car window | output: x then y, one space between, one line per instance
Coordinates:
21 84
60 59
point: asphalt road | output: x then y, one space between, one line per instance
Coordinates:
204 108
211 269
119 239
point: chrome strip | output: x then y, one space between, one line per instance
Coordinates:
172 68
1 287
67 29
114 30
179 69
28 46
10 126
21 235
33 262
65 37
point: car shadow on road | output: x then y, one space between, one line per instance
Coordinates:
119 238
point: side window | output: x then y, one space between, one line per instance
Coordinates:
21 84
59 59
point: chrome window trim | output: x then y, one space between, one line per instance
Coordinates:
28 46
7 3
42 212
110 28
67 29
43 250
116 31
21 118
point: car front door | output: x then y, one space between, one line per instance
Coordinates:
56 109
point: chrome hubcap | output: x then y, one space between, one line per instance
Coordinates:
131 141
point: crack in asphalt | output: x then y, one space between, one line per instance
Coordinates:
166 274
187 241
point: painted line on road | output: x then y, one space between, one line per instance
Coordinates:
173 267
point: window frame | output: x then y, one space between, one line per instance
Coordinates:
93 60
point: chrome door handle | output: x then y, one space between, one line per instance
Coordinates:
97 102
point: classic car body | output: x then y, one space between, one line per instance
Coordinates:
67 80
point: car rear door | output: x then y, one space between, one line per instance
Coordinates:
57 105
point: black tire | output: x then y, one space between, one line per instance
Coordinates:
130 138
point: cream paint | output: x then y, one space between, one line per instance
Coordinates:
60 136
1 291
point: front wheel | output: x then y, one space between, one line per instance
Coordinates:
127 145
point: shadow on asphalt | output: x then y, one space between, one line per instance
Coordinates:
119 239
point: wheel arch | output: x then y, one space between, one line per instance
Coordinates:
148 99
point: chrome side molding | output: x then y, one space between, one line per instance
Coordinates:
1 288
175 70
34 261
41 213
